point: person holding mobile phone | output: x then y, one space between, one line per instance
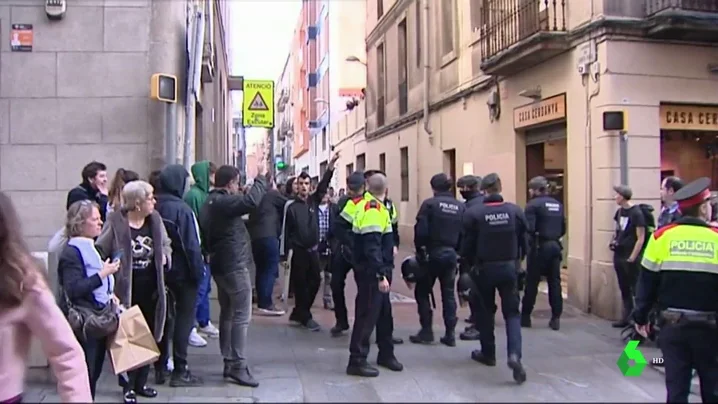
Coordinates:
86 278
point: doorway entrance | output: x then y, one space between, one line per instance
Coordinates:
546 156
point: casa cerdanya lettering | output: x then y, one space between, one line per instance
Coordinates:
689 117
541 112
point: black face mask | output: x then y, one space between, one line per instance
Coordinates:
466 194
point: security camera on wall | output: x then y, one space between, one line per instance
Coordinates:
55 9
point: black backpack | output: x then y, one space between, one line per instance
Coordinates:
648 217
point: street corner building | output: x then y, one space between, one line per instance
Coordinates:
75 87
520 88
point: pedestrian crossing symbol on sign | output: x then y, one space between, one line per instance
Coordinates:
258 104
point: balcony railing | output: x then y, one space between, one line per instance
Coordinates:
403 98
508 22
656 6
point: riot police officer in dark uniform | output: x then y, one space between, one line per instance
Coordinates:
469 189
681 275
546 226
493 242
436 233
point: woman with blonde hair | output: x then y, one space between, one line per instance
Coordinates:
28 309
121 178
86 281
137 232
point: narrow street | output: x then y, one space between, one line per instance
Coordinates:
576 364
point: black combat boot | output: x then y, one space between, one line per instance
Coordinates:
482 358
339 329
471 334
555 323
390 363
424 336
449 339
361 369
526 320
517 368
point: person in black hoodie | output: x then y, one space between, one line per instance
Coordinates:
225 237
265 225
184 276
302 232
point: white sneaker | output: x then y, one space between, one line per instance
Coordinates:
270 312
196 340
170 365
209 330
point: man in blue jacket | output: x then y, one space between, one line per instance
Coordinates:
184 277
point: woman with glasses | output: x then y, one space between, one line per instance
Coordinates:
137 233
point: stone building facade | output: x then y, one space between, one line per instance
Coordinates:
82 94
520 88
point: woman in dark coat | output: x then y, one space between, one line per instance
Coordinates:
138 234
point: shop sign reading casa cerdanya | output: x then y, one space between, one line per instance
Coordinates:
544 111
689 117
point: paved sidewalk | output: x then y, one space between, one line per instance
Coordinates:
575 364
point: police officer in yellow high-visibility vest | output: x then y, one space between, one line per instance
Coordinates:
342 261
373 266
394 214
681 275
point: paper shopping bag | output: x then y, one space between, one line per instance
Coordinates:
133 346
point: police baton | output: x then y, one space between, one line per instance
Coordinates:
433 300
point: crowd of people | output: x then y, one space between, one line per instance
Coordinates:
156 244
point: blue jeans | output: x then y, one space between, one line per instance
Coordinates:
266 259
202 306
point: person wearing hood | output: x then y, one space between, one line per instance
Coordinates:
186 274
203 174
436 239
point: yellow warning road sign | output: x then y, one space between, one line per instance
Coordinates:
258 103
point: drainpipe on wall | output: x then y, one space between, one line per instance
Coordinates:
193 83
588 245
425 46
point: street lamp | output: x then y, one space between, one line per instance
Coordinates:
354 59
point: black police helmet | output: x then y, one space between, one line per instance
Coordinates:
538 183
491 180
410 269
464 286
